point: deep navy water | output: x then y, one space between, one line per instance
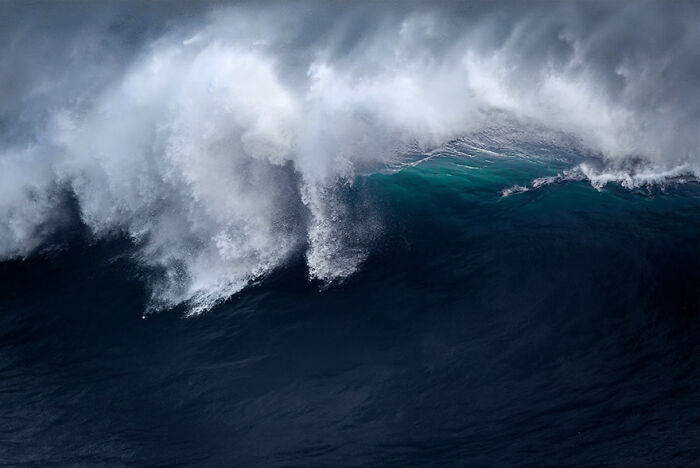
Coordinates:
555 327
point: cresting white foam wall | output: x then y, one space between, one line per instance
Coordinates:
222 148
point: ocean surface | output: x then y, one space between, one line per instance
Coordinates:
495 321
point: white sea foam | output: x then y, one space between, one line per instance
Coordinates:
223 146
631 177
514 189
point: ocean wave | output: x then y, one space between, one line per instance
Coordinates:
224 144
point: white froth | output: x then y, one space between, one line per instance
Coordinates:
630 177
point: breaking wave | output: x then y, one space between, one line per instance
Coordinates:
224 145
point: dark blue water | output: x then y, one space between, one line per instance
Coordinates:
556 327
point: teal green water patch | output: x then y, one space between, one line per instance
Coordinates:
483 176
456 190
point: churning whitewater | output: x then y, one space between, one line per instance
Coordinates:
227 141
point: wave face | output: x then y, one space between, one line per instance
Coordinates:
559 326
225 140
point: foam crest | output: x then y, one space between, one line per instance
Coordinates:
630 177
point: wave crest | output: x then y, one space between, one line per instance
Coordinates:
224 146
641 175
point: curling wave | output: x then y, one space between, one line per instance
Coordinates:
225 145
